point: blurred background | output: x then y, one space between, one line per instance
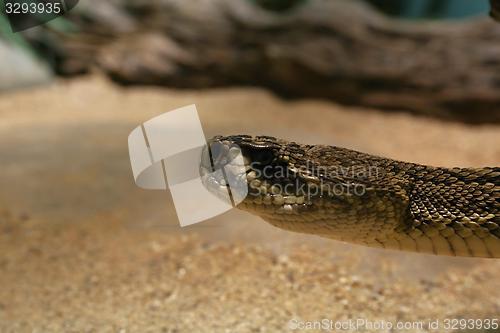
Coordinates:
82 249
448 9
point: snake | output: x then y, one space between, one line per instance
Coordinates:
354 197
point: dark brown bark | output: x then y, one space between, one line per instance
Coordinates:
339 50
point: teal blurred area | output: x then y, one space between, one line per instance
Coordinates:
20 66
438 9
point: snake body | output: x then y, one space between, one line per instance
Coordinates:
374 201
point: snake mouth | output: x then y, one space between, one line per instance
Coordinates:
272 184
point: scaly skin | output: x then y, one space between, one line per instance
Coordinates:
359 198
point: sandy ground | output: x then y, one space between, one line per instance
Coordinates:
84 250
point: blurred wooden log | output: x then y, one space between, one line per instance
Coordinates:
339 50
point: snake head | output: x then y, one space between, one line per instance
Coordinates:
276 176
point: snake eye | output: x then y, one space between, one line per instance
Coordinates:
263 156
